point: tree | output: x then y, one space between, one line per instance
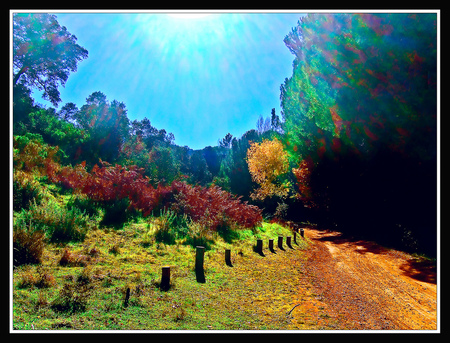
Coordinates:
226 141
263 125
267 164
275 122
68 111
164 167
151 135
361 82
212 159
107 125
44 53
360 115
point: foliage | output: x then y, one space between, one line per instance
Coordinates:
166 228
25 189
361 81
107 125
58 223
28 245
53 131
32 155
303 176
163 168
226 141
234 168
360 118
213 206
107 183
267 163
73 297
44 53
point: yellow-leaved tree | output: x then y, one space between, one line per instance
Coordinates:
268 163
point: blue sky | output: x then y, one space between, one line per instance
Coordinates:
198 78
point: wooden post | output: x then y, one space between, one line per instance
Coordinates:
259 246
295 237
271 245
127 297
228 257
199 258
280 242
302 233
288 241
165 279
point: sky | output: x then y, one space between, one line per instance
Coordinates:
199 77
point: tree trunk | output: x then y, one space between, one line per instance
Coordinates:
19 73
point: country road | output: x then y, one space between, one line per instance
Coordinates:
366 286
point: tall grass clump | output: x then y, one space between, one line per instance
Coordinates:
59 224
28 245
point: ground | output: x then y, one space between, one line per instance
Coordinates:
366 286
321 282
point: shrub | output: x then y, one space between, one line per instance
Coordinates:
73 260
211 206
74 296
117 212
59 224
25 190
165 232
199 236
28 245
118 185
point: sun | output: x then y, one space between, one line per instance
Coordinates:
189 15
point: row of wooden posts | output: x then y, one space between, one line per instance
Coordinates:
200 253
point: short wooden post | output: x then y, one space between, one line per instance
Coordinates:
302 233
165 278
228 257
271 245
127 297
295 237
288 241
259 246
199 258
280 242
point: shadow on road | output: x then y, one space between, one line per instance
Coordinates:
421 269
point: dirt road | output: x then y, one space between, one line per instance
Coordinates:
366 286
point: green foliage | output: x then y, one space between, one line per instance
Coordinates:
44 53
58 223
74 296
361 121
165 232
54 131
25 190
164 168
361 81
107 126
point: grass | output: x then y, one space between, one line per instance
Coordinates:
255 293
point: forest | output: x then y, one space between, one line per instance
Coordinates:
354 148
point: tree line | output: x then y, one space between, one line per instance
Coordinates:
354 148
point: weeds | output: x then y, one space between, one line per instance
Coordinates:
58 223
74 296
28 245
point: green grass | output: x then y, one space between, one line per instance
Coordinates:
254 294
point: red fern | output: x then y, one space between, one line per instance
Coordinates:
210 206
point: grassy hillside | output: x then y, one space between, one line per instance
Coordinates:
83 285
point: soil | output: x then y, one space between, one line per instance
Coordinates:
361 285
